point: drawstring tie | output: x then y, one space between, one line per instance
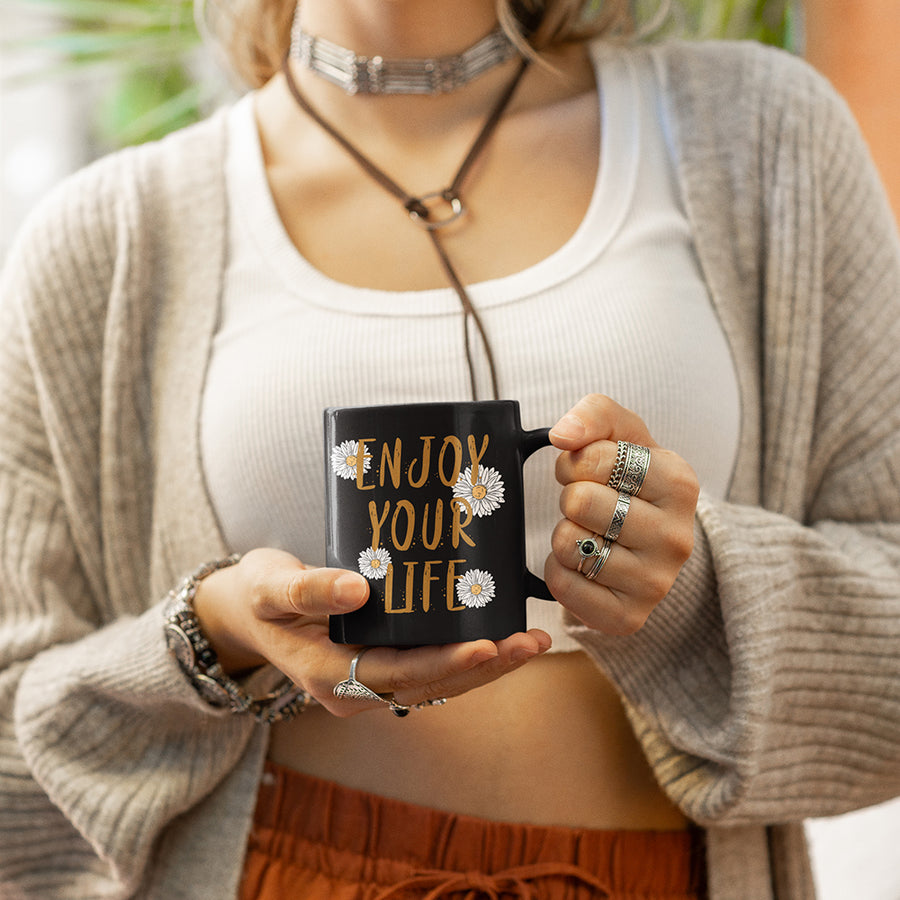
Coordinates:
515 882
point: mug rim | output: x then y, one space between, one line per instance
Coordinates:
431 404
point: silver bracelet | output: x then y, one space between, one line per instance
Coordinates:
198 659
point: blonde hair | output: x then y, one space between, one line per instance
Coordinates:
254 34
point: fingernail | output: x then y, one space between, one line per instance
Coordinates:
569 427
522 653
349 591
480 656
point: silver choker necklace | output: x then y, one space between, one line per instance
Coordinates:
375 75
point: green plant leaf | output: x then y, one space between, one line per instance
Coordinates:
140 109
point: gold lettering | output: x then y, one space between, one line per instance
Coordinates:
426 462
410 574
475 456
427 578
377 521
361 457
457 504
392 465
389 594
438 522
451 578
407 507
454 442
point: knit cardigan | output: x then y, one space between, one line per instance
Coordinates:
764 689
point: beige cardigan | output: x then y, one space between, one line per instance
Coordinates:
765 689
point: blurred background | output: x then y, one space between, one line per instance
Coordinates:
79 78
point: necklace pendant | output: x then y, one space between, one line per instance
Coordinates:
421 209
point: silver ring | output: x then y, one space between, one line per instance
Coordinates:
351 689
623 502
599 560
630 469
399 710
615 478
587 549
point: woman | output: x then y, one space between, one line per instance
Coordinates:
178 316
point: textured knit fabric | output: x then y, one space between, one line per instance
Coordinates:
316 840
765 688
628 277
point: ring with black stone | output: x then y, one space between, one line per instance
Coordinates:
587 548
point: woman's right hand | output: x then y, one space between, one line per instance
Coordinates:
271 608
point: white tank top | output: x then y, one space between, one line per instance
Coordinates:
620 309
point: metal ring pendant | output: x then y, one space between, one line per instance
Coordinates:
452 200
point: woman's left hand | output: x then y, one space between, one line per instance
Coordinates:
657 534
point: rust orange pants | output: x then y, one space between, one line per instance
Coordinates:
314 840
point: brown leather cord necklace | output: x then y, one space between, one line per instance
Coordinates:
420 211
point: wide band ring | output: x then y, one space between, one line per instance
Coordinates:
630 468
352 689
623 502
600 558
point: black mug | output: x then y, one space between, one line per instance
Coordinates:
425 501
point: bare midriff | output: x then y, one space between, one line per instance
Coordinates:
548 744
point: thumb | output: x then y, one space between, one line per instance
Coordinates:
596 417
318 592
283 587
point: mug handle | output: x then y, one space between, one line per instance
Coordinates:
531 441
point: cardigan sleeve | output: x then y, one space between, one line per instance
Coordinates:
103 743
766 687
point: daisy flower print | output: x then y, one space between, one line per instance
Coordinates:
475 588
485 495
374 563
343 459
